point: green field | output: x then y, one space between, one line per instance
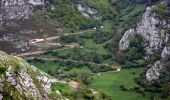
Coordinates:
48 66
90 44
84 69
110 82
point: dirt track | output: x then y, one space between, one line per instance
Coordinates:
48 39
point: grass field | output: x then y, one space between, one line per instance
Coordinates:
84 69
110 82
47 66
90 44
65 52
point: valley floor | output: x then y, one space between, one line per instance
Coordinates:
89 58
110 84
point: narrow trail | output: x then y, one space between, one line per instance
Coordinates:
91 73
47 39
30 53
34 53
58 36
118 69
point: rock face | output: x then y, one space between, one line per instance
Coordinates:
151 33
153 30
21 81
124 42
148 29
166 52
14 10
154 72
88 11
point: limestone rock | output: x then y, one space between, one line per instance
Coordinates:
124 42
14 10
18 77
148 29
154 31
154 72
88 12
166 52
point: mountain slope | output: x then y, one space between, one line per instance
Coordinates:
154 29
155 32
19 80
16 10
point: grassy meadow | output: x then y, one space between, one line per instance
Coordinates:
110 82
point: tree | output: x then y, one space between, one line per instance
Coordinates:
120 57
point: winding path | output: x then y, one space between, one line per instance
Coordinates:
58 36
47 39
52 59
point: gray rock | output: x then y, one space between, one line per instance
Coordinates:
23 77
13 10
147 28
124 42
1 97
154 72
166 52
153 30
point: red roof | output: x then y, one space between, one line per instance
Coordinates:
74 84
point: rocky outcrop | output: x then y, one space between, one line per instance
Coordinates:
21 81
166 52
154 31
14 10
88 12
36 2
124 42
148 28
153 73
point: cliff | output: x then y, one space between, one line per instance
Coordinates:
147 28
21 81
155 31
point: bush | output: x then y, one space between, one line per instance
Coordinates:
68 16
2 69
133 56
122 87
